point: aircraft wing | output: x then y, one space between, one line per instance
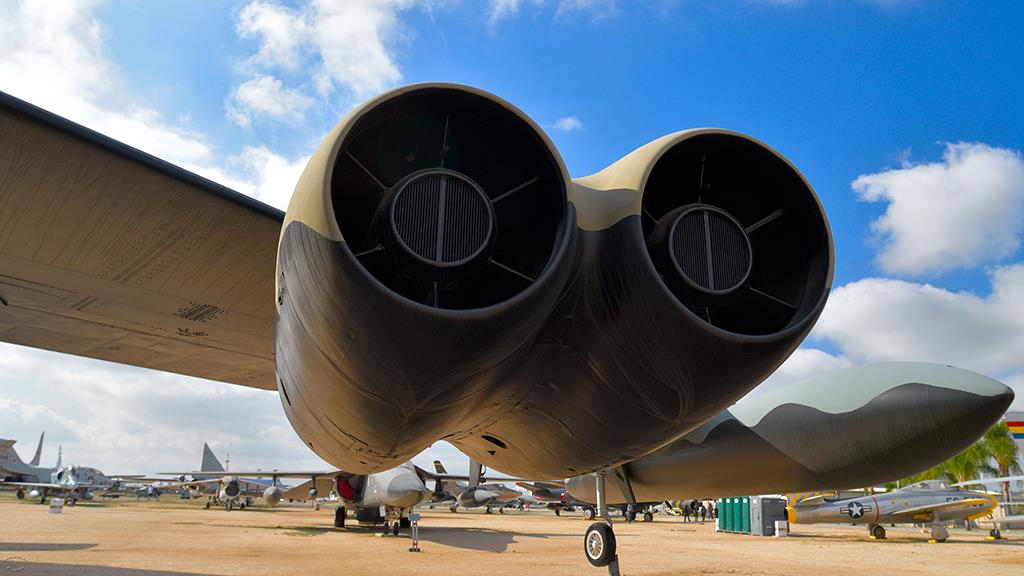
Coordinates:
263 474
938 506
110 253
324 486
986 481
1003 520
56 486
540 486
5 444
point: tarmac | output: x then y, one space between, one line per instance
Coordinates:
181 538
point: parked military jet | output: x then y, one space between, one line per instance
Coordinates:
471 494
229 490
13 468
72 482
929 502
439 275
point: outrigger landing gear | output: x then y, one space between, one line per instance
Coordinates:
599 541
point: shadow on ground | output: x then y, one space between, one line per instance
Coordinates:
42 547
483 539
21 567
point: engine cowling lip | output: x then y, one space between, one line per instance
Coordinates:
566 229
670 141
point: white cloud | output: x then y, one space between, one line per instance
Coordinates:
506 9
568 124
962 212
803 364
275 175
280 32
265 96
881 319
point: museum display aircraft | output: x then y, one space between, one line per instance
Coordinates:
470 493
13 468
438 275
930 502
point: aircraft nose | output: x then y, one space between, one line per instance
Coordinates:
405 491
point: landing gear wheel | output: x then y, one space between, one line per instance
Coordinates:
395 528
501 510
229 505
995 533
589 514
339 517
241 506
940 534
404 522
453 509
207 504
648 517
599 544
878 532
558 512
488 511
20 494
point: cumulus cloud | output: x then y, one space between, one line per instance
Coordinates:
877 319
266 96
962 212
280 32
568 124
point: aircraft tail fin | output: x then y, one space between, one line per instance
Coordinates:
8 453
39 450
210 462
60 455
439 467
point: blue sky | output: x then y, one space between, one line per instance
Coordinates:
916 101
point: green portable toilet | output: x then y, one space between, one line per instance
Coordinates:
737 510
744 506
727 514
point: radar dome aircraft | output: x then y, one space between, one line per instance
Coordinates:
437 275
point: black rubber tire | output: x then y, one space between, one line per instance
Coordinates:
558 512
339 517
589 513
229 505
453 509
995 533
648 517
207 505
501 510
487 510
599 544
878 532
404 522
394 528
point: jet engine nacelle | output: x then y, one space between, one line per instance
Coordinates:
35 493
439 276
272 495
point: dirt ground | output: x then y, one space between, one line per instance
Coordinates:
173 538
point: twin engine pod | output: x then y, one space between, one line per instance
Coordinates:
440 276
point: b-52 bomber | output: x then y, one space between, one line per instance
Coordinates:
438 275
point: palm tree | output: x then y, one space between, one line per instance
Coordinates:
1003 450
968 464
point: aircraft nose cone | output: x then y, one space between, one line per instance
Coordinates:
405 491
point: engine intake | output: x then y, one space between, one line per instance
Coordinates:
736 233
449 198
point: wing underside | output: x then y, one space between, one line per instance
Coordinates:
110 253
